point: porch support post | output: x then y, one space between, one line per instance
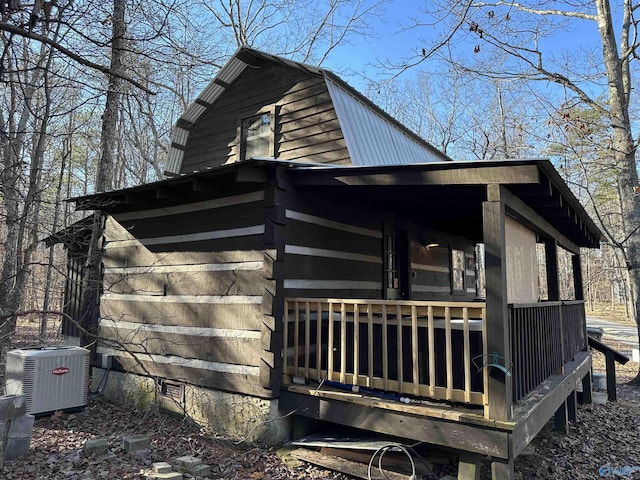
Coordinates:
578 288
469 467
551 258
499 394
610 363
572 411
577 276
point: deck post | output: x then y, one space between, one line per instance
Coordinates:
610 361
560 418
577 276
469 467
578 288
498 404
551 259
502 469
587 388
572 412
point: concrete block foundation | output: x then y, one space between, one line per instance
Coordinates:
239 416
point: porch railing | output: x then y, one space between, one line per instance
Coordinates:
544 336
423 349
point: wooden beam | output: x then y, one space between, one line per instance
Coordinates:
572 410
610 361
560 419
469 467
201 185
587 394
461 436
528 216
338 464
425 175
499 388
251 174
577 276
502 469
166 192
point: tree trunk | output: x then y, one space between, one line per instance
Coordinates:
16 259
623 151
105 171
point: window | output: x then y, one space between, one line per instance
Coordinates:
256 136
457 271
396 265
393 273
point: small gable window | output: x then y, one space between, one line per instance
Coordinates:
256 136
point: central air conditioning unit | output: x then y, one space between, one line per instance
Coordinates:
51 378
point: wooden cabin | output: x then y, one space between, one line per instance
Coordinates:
309 253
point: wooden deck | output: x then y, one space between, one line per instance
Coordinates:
459 427
421 371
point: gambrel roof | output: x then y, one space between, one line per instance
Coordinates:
371 135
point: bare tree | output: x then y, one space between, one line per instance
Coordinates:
521 33
464 117
24 121
302 30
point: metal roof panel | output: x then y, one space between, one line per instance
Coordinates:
372 137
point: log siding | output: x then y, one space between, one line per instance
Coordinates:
190 237
305 126
184 311
330 257
192 207
175 361
431 272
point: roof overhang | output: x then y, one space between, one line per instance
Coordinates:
535 183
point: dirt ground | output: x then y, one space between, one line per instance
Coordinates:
605 439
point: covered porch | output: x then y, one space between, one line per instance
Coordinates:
481 376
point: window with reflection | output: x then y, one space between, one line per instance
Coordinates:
256 137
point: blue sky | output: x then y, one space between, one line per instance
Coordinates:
391 43
362 56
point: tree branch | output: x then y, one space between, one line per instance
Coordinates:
518 6
7 27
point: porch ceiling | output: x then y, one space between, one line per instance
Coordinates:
453 209
450 194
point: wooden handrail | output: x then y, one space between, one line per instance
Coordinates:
388 345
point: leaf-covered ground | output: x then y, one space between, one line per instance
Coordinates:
56 449
606 436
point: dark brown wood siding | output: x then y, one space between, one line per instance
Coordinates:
184 291
306 126
331 250
431 269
